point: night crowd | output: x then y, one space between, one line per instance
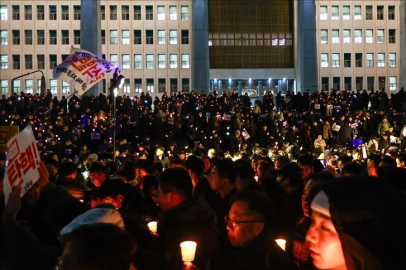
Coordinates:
325 171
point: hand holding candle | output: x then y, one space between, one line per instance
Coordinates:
281 243
188 249
153 226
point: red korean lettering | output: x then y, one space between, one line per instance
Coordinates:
14 150
14 172
27 160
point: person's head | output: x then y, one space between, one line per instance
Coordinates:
265 168
281 161
175 186
100 246
113 192
97 174
245 174
342 161
373 164
309 191
207 164
305 163
147 167
194 166
401 161
358 223
177 163
353 168
67 170
223 175
289 178
52 166
250 212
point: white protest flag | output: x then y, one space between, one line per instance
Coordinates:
22 162
82 70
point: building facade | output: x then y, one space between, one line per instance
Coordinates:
211 45
359 45
149 40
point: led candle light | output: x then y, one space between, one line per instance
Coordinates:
153 226
188 249
281 243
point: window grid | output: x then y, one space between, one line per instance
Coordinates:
324 60
28 37
173 37
125 37
161 37
65 13
161 61
346 13
358 36
185 61
335 13
137 13
113 13
380 36
126 63
150 61
370 60
125 13
137 61
173 13
28 61
381 60
77 13
336 60
40 12
323 13
392 60
161 13
28 12
184 13
173 61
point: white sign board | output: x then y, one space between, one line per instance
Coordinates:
22 162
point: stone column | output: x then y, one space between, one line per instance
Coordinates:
90 34
200 47
306 69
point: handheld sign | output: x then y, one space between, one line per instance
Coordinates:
22 162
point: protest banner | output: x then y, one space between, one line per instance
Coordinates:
82 70
22 162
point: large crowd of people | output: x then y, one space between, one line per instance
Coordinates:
325 171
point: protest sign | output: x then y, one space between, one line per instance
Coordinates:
22 162
226 117
82 70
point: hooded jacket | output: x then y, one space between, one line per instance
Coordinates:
370 218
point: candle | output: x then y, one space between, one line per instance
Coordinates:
188 249
256 178
281 243
153 225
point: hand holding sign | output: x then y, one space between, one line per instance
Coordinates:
21 163
13 204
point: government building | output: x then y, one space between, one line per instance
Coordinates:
208 45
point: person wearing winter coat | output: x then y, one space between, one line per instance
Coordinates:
359 223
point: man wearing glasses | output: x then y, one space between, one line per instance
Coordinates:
251 242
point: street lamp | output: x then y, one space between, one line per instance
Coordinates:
43 82
249 81
269 84
229 82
